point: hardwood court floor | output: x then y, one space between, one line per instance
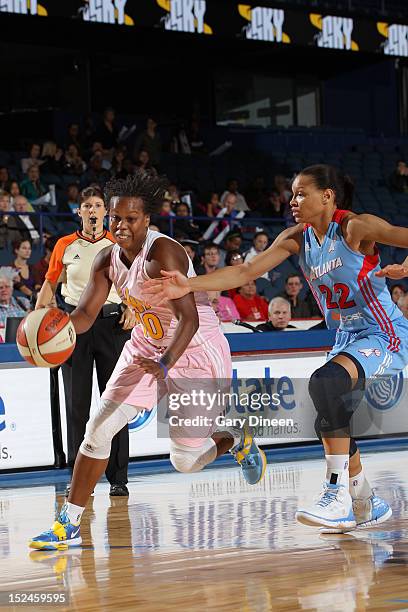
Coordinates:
208 541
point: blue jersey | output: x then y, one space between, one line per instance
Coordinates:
350 296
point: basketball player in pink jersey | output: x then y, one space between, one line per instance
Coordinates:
181 340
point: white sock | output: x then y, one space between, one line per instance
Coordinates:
337 469
359 486
74 512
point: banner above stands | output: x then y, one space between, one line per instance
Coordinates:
240 21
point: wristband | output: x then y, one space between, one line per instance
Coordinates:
164 368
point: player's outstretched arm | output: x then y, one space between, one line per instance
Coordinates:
371 228
95 293
174 285
166 255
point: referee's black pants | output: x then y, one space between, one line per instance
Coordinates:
101 345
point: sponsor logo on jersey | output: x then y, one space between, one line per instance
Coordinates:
332 245
335 32
185 16
143 418
77 256
385 393
350 318
396 38
327 266
264 23
368 352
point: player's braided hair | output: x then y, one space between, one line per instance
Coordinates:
146 185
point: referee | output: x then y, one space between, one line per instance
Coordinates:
71 262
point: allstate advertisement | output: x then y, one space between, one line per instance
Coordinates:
25 415
25 418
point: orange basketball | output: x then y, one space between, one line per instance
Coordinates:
46 337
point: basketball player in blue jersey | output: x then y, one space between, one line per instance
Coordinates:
339 258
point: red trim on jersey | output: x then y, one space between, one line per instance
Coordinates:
373 303
306 226
339 215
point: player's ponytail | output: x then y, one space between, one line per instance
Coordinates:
348 193
328 177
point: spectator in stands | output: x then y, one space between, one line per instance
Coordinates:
279 316
397 291
173 195
71 200
74 137
232 242
96 173
282 188
8 231
210 260
149 140
117 168
11 306
32 187
233 258
223 306
259 244
97 149
214 205
232 188
25 281
5 181
33 158
299 308
41 267
398 180
14 191
26 224
190 247
143 160
108 132
73 164
52 159
220 229
403 304
179 141
251 307
183 224
275 207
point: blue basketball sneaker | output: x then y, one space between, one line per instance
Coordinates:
371 512
333 510
250 457
62 535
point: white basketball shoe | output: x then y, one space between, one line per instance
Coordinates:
371 512
332 510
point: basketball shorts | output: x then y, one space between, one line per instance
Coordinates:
132 386
380 354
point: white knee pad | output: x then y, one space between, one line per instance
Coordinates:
188 459
102 426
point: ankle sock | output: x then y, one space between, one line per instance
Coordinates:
337 469
74 512
359 486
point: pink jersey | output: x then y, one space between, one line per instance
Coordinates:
158 322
